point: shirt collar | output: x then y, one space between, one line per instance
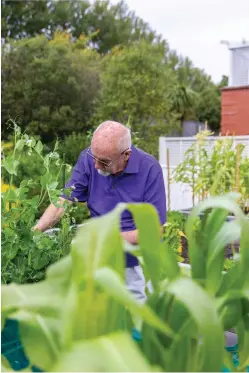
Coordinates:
133 163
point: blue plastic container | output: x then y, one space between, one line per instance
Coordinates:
13 351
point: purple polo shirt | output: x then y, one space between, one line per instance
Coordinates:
141 181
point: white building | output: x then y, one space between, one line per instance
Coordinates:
239 64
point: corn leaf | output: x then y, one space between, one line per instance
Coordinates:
110 353
228 233
112 284
202 310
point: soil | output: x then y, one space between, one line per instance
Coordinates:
228 251
245 211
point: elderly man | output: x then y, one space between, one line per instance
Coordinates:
109 172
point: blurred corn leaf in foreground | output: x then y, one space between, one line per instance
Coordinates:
80 318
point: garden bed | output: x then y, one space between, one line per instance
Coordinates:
228 251
231 217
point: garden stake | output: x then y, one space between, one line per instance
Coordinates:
237 168
168 177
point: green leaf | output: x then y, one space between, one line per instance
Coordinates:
215 221
35 201
13 250
11 164
40 260
243 348
111 353
39 337
148 225
197 257
52 185
112 284
228 362
229 232
12 195
45 179
244 251
169 266
44 319
32 143
97 250
38 147
203 311
230 280
61 270
22 193
19 145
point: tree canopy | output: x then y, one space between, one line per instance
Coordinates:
49 85
66 65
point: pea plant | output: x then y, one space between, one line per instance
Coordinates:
80 317
25 254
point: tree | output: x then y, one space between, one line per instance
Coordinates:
141 77
28 18
195 96
116 23
118 26
183 102
136 84
209 107
50 86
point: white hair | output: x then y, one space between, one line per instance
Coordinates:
124 141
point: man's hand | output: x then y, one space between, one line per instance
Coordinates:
51 216
132 236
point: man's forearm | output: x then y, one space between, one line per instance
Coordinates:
132 236
50 217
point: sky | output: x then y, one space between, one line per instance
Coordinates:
195 28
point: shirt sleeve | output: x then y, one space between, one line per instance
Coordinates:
155 192
76 189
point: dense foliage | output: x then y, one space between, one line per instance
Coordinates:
82 310
117 24
49 85
67 65
26 254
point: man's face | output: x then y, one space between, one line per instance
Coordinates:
107 160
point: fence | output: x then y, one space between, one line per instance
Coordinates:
171 154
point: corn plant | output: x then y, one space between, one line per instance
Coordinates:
80 317
195 168
220 171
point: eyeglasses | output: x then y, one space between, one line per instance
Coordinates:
105 164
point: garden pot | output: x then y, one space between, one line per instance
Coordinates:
13 350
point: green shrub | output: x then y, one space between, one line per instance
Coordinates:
71 146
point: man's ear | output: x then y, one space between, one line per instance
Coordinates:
127 154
